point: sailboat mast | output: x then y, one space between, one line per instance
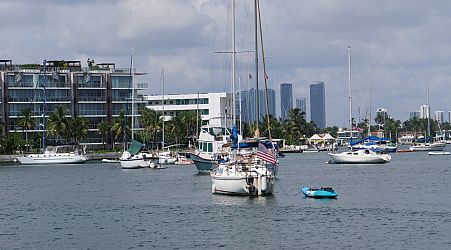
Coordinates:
162 81
233 65
371 100
257 99
429 115
133 95
349 96
44 106
264 73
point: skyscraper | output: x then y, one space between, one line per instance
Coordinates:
414 114
286 99
439 116
249 109
424 111
301 103
318 104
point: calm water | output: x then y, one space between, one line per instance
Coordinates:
405 204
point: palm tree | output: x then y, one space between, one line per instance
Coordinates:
57 123
120 126
27 121
103 129
77 128
152 124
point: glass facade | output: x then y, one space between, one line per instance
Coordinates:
318 104
286 99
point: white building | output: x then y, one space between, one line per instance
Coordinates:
439 116
215 108
424 111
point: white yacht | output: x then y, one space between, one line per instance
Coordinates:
433 146
64 154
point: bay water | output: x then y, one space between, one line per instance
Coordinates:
405 204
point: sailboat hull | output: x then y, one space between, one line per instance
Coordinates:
45 159
357 157
428 147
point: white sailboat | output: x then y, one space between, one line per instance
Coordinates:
164 157
137 156
426 145
251 166
363 156
63 154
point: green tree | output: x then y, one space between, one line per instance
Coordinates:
77 129
103 130
57 124
120 126
27 121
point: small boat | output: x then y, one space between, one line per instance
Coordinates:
324 192
110 161
438 153
404 150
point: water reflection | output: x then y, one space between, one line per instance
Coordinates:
229 200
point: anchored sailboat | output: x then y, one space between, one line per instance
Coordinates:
251 166
362 156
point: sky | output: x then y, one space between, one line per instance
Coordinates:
401 48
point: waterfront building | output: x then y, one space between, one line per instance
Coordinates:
249 108
213 108
449 116
439 116
344 136
99 93
286 99
424 111
301 103
318 104
414 114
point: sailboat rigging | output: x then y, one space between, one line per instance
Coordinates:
251 165
361 156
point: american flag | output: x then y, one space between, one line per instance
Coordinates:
264 154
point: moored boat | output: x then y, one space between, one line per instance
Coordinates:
65 154
439 153
363 156
324 192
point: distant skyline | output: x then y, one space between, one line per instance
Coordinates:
401 47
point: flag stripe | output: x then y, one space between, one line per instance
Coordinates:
266 156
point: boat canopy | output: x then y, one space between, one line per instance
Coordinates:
252 143
136 147
370 139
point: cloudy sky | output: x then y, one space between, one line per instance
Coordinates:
400 47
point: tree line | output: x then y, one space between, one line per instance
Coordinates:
182 129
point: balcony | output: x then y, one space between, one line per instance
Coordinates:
92 99
91 85
92 112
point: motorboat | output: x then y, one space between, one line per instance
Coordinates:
324 192
63 154
433 146
166 158
210 147
363 156
439 153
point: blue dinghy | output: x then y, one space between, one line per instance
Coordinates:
324 192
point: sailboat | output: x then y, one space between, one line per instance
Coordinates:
164 157
362 156
251 166
427 145
62 154
137 156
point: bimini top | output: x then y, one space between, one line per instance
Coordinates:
136 147
370 138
